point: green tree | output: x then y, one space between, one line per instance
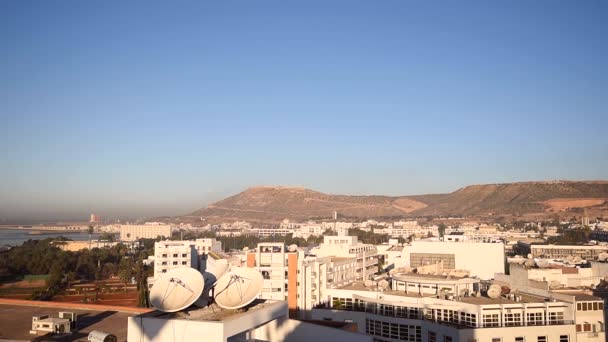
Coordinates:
441 229
125 269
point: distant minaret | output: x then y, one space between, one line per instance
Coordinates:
335 215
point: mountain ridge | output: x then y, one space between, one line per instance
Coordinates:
277 202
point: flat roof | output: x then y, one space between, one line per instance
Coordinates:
580 296
428 276
358 286
484 300
16 321
211 313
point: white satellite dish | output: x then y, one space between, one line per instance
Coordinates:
383 284
177 289
215 270
293 248
494 291
368 283
238 288
602 256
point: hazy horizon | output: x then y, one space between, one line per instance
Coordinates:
151 109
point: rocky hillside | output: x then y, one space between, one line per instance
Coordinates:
273 203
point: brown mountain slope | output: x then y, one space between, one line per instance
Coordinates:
273 203
511 198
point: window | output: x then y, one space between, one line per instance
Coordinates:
164 255
600 306
467 319
512 319
579 306
586 327
432 336
535 318
410 333
184 262
579 328
496 339
175 255
594 306
490 320
564 338
541 339
556 317
184 255
175 263
447 338
519 339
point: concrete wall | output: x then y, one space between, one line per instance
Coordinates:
482 259
295 331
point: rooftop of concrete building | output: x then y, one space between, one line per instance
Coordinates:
212 313
580 296
485 300
359 286
422 277
17 314
477 300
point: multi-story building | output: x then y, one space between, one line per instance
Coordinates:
298 278
173 254
134 232
205 246
563 251
481 259
366 255
267 232
397 314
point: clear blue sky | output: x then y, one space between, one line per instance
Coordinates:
149 108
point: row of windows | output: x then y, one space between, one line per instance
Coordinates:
515 319
588 327
562 338
164 263
591 306
403 332
184 255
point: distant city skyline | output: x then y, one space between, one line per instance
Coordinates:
150 109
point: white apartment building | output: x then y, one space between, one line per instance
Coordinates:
208 245
366 255
134 232
316 275
397 315
173 254
562 251
266 232
481 259
299 279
